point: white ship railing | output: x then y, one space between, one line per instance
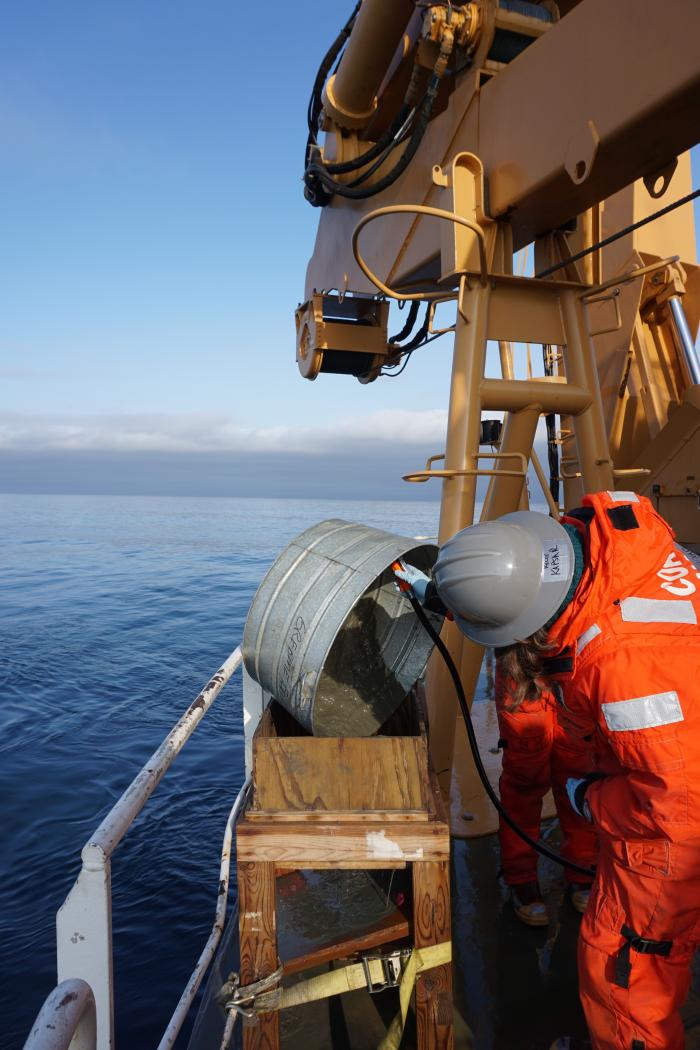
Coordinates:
67 1018
80 1011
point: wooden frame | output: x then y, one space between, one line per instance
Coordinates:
312 808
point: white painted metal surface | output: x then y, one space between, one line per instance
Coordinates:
255 700
84 922
67 1019
186 999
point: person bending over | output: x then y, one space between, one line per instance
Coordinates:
537 754
622 658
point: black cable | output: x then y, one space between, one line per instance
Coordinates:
315 191
396 141
315 101
550 421
391 375
361 192
315 173
545 851
421 333
384 141
620 233
410 321
430 339
420 338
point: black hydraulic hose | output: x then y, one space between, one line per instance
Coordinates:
420 124
474 745
315 103
420 334
369 172
380 145
410 321
420 338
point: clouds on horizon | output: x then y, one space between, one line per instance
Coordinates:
362 457
202 432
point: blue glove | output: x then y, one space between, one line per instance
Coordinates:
576 788
417 581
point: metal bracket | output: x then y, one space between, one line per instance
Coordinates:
624 278
431 318
392 968
611 297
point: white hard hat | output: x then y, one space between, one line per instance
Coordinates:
505 579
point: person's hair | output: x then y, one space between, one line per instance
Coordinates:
521 668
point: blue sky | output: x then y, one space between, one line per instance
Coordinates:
154 237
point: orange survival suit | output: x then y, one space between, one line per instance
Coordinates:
628 674
538 754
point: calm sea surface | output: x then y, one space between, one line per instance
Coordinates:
114 612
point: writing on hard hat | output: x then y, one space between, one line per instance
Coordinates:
504 579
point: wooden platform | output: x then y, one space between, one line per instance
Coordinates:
354 803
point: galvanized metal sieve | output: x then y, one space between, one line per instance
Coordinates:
329 636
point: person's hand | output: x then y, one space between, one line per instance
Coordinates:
417 580
576 788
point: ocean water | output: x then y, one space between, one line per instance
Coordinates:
114 612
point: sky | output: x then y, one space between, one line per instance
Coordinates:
153 244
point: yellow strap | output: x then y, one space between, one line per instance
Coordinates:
335 982
351 977
420 959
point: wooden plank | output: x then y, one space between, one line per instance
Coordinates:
394 927
299 774
266 726
346 844
432 925
359 865
336 816
258 944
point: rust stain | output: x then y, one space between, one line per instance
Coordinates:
70 997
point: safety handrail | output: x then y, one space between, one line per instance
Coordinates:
425 475
417 209
123 813
84 921
67 1019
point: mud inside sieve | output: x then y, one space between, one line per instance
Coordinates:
379 652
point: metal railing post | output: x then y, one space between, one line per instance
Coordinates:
84 921
84 938
67 1019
